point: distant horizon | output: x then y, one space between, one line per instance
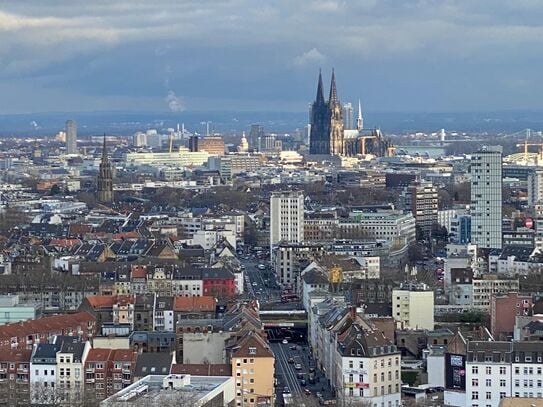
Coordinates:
127 122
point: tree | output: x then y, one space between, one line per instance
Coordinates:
55 190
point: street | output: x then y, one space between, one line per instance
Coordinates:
290 377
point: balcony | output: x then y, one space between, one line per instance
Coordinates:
127 371
89 381
126 381
22 370
3 370
89 370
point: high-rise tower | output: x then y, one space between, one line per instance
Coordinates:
348 116
104 181
71 137
486 198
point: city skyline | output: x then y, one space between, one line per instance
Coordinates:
122 55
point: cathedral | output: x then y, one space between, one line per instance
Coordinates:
328 136
104 182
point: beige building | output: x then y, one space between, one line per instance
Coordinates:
253 366
70 374
413 306
488 285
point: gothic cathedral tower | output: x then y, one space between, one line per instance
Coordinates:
319 139
326 137
104 181
337 146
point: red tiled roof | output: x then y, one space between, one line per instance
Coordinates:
202 370
15 355
138 272
123 355
65 242
126 235
99 355
45 325
204 303
107 301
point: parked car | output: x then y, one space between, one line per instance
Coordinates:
298 366
284 342
290 360
307 392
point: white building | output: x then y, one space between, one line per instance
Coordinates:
286 217
43 367
413 306
391 225
486 198
535 187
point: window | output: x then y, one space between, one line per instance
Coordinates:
252 351
502 383
517 370
488 382
517 382
488 370
502 394
475 369
489 395
503 370
350 364
475 382
475 395
361 365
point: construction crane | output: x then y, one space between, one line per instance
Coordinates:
526 145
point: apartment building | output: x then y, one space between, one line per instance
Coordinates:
108 371
368 367
253 365
15 377
486 286
496 370
286 217
413 306
70 361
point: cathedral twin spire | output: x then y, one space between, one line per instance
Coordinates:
333 90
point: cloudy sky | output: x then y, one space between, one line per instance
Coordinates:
160 55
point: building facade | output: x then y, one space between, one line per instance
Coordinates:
286 217
71 137
486 198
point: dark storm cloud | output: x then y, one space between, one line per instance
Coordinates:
246 54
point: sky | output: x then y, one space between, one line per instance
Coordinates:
265 55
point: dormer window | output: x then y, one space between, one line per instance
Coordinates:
252 351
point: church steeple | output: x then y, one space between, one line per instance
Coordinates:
320 92
104 181
104 151
333 91
359 119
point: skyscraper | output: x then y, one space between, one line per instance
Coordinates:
286 217
326 122
71 137
348 116
255 135
104 181
486 198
